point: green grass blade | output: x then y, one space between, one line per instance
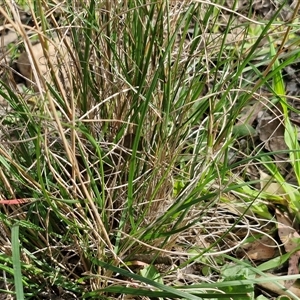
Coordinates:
17 262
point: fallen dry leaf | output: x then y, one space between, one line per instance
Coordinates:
288 236
270 126
261 249
274 288
58 57
270 129
267 184
292 269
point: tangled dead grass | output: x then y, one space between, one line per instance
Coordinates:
120 158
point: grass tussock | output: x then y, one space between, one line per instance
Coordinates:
132 158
